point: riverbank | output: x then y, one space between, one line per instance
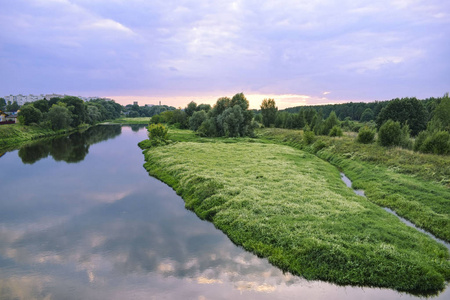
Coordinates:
130 121
13 136
292 207
414 185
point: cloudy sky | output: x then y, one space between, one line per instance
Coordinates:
298 52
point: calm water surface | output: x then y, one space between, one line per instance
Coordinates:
81 219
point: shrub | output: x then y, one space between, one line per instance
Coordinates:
437 143
390 134
336 131
309 136
157 134
156 119
365 135
319 145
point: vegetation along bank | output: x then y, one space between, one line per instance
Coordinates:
280 196
292 207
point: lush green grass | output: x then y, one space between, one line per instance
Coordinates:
16 135
415 185
131 121
292 207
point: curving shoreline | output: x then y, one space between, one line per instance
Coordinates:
303 219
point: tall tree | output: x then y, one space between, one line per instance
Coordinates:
405 110
269 112
59 116
29 114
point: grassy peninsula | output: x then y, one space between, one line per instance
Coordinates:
291 206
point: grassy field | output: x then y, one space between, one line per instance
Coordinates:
292 207
415 185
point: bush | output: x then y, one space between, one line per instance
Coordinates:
390 134
420 139
436 143
336 131
365 135
309 136
157 134
156 119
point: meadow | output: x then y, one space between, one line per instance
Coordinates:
415 185
292 207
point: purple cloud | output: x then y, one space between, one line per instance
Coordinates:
354 50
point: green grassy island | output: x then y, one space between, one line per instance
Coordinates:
291 206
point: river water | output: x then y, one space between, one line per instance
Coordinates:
81 219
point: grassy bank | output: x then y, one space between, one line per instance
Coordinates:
292 207
13 136
131 121
415 185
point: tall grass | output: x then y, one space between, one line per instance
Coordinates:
15 135
292 207
415 185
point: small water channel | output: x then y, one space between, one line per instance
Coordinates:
348 182
81 219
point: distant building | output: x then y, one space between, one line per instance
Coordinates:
135 103
22 99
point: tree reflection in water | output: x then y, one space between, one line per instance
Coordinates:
72 148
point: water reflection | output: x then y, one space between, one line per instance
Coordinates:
104 229
72 148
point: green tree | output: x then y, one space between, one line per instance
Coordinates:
180 119
269 112
367 115
390 134
93 114
78 109
42 105
12 106
329 123
239 99
231 122
406 111
59 116
191 108
197 119
205 107
441 114
29 114
2 104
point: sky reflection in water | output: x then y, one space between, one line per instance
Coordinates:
81 219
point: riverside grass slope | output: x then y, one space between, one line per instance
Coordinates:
415 185
292 207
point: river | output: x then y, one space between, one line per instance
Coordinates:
80 218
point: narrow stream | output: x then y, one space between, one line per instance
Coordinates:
348 182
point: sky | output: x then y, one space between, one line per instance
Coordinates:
296 52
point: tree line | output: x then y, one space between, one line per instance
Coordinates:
422 125
395 121
67 112
229 117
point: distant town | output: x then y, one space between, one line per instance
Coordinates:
22 99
